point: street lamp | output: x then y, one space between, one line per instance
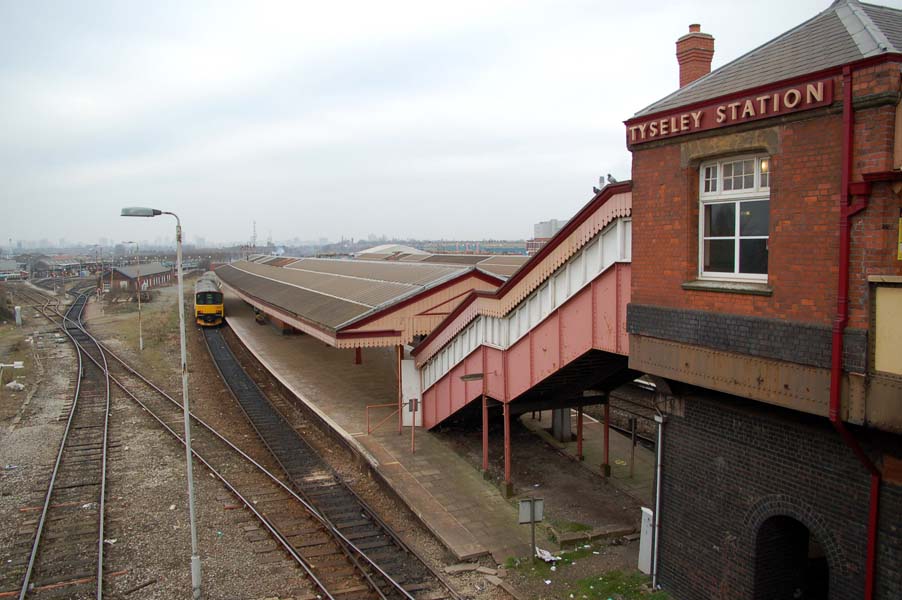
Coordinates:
140 335
195 559
18 364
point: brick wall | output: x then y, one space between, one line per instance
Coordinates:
731 464
805 195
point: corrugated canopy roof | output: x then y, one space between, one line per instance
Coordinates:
499 265
845 32
334 293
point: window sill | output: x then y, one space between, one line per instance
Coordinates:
729 287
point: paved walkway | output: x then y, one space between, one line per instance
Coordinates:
467 513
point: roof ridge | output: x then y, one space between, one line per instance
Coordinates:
869 38
832 8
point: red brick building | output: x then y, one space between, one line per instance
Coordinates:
766 302
150 276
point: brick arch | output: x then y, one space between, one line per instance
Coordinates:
776 505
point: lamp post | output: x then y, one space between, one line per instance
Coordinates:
195 558
140 335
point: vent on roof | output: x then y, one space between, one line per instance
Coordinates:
694 52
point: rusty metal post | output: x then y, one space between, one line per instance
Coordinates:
606 465
579 433
508 487
485 435
413 425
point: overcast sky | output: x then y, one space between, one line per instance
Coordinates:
468 120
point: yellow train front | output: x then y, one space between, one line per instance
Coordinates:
208 308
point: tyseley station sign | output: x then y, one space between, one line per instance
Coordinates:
782 101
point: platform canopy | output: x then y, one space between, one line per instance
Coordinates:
355 303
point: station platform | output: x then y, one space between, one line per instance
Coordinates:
467 513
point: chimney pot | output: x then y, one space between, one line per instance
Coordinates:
694 52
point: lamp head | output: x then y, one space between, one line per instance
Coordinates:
140 211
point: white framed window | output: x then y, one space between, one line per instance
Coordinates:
734 218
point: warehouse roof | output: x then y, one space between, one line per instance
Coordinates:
146 270
845 32
8 266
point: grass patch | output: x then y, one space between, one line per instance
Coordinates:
542 569
620 585
570 526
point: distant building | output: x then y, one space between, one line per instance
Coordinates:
547 229
150 275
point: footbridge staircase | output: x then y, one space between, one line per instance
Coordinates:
552 336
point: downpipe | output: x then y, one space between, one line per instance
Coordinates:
660 419
847 210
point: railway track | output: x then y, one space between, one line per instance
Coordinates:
333 564
321 486
65 557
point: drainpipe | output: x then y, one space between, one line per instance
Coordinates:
846 210
660 419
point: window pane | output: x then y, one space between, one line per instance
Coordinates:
728 170
753 217
720 255
720 219
753 256
765 172
711 178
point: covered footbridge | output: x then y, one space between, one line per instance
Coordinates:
553 336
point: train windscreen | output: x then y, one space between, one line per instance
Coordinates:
209 298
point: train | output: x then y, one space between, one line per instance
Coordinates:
208 307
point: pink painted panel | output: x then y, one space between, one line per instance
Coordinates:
606 310
576 329
545 349
429 411
458 388
473 364
518 368
443 399
494 364
624 272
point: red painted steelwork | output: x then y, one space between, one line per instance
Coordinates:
560 338
846 210
585 212
485 434
507 443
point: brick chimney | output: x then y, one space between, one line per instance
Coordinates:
694 52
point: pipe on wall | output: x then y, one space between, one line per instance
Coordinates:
847 210
660 419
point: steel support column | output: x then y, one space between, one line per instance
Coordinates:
579 433
485 435
606 465
508 487
358 356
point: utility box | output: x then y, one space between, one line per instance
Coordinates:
645 536
18 316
